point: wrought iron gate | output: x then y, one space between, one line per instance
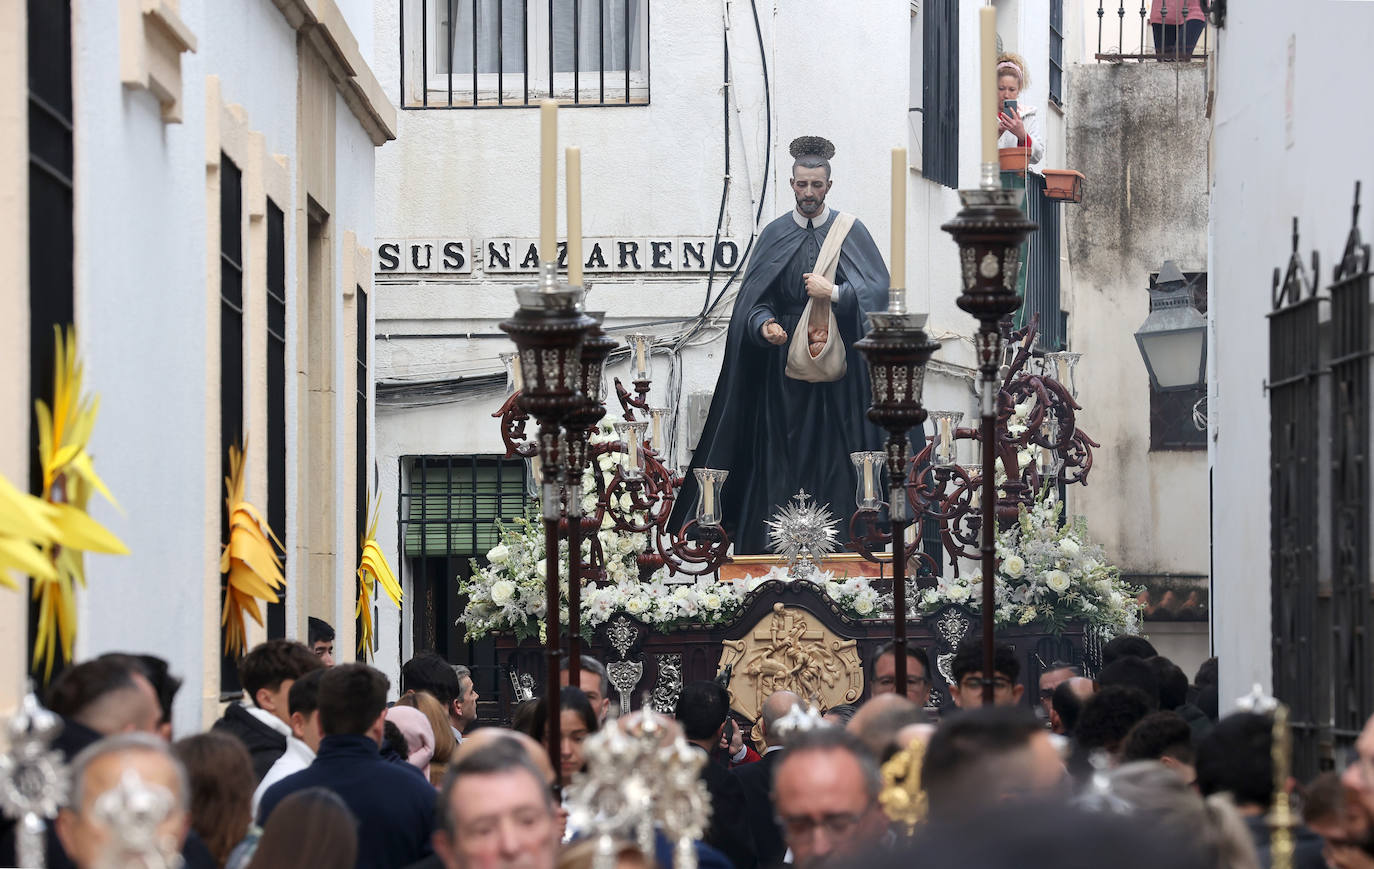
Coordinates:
1319 500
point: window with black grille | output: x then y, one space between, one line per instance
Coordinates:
940 87
276 397
1057 52
230 356
361 487
51 236
511 53
449 509
1172 414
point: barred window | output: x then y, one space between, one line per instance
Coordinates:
511 53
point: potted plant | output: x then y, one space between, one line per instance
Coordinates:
1064 184
1014 159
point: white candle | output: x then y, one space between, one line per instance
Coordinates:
708 497
641 362
898 218
657 441
868 480
574 181
987 61
517 376
548 181
945 438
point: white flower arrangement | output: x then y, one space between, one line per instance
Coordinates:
509 595
1049 574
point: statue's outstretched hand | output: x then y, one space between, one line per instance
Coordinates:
773 333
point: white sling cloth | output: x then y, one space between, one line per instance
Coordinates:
828 364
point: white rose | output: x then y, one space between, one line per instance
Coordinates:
502 591
1014 565
957 593
862 605
1068 546
1057 580
634 606
711 601
499 554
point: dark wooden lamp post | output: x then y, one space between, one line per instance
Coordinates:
549 329
989 230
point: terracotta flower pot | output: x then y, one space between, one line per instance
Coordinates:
1014 159
1064 184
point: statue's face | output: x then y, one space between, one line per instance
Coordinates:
810 187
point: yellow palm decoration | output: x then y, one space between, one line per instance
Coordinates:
69 478
249 559
25 527
373 569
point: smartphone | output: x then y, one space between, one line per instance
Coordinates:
1008 108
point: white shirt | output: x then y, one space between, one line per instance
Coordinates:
296 758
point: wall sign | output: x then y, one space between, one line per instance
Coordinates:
494 256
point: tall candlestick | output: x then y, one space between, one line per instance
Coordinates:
574 172
898 280
987 62
548 181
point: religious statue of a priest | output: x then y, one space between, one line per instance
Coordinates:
791 401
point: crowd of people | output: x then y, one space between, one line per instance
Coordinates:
318 767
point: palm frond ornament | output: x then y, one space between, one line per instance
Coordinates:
373 569
69 480
249 559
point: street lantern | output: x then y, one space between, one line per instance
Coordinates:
1173 339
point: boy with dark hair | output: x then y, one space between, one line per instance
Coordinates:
304 741
267 673
1126 646
1167 738
396 804
1132 673
967 668
1108 716
320 638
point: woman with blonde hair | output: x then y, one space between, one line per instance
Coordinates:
1017 125
444 743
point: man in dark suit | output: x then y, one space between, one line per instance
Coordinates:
702 710
394 806
756 780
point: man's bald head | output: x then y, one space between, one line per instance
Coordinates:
139 758
878 722
775 708
480 740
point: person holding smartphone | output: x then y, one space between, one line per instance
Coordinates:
1017 124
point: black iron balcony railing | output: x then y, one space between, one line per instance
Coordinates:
1160 30
478 54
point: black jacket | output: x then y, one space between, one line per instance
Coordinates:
756 782
1307 845
394 807
728 832
262 742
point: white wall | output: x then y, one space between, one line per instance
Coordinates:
141 309
141 272
1284 144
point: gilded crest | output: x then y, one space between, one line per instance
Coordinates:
790 650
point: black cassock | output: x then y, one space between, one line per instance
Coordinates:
776 435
